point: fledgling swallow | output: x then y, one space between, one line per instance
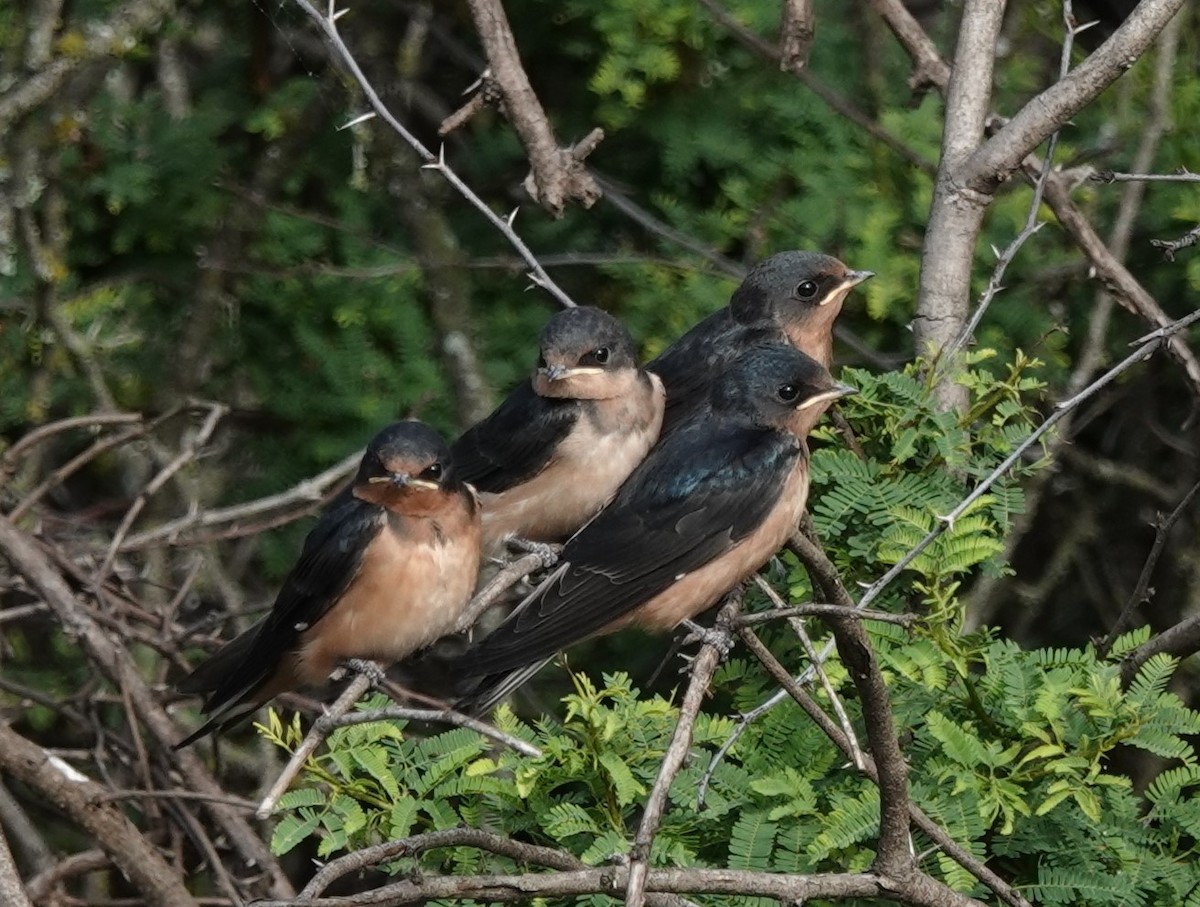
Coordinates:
712 502
791 297
557 449
388 569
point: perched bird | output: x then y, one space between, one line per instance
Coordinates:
557 449
709 506
791 297
388 569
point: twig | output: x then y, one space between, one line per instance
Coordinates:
509 575
314 738
1142 591
439 716
1149 343
77 795
531 854
81 863
817 662
1183 175
437 163
703 667
797 28
189 452
310 491
1181 640
782 612
558 175
176 794
1171 246
45 432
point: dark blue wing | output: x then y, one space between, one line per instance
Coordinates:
701 491
329 561
515 442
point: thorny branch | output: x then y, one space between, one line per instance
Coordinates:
437 163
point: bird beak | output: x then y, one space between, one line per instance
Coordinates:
404 480
559 372
834 393
854 278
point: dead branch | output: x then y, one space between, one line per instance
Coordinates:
704 666
80 798
797 29
116 664
1142 592
558 175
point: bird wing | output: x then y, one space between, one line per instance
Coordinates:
686 366
515 442
328 563
697 496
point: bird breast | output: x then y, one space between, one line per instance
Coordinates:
417 576
700 589
609 439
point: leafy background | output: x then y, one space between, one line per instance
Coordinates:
201 229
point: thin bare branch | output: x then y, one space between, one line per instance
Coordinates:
1149 344
1109 176
437 716
1142 592
704 665
1171 246
433 162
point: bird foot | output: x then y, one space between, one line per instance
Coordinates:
367 669
707 636
546 552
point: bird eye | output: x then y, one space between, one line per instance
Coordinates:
601 355
788 393
807 289
433 473
541 363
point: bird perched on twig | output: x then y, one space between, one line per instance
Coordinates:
791 297
712 502
388 569
561 444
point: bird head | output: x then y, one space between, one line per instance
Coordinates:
791 288
586 354
777 386
406 468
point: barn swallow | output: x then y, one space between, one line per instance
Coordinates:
791 297
388 569
710 504
557 449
